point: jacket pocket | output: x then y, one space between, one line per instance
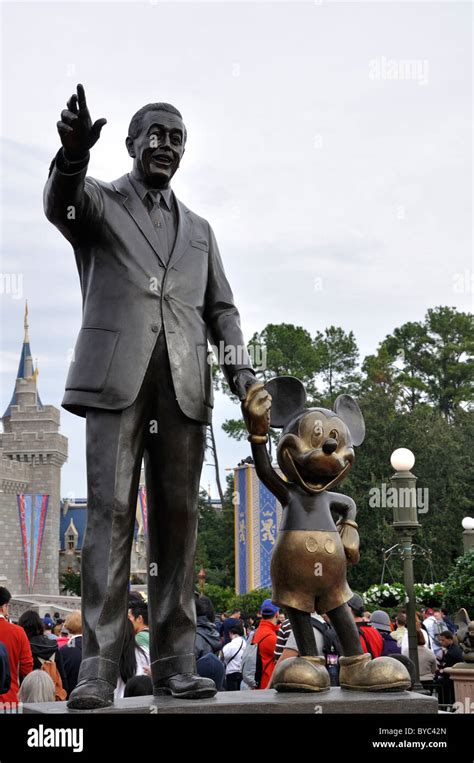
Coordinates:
203 245
93 353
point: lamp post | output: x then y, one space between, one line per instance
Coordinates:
468 533
405 523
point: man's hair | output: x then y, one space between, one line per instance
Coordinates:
237 629
139 608
5 596
205 608
401 619
448 635
235 612
31 623
137 119
73 622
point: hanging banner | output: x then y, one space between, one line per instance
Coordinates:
33 509
143 508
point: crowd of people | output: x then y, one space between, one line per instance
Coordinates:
40 657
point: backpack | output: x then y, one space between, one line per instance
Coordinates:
252 663
372 639
5 676
50 667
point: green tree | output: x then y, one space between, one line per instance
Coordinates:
408 348
71 583
459 586
436 358
337 355
215 545
286 350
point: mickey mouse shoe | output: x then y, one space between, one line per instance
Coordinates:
306 674
361 672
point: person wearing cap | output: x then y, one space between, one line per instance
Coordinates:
48 621
48 628
266 637
370 639
381 622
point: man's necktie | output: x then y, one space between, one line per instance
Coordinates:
155 203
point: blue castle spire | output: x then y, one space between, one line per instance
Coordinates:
25 365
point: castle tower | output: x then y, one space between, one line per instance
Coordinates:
32 453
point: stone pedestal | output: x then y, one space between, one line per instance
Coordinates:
463 678
267 701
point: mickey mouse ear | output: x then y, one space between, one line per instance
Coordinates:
288 397
348 410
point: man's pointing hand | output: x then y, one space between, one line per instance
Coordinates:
75 128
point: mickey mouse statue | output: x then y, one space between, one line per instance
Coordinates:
309 561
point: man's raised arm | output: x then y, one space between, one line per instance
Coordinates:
70 201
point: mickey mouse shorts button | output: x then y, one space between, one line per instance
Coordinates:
330 546
311 544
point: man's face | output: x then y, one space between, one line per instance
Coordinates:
445 643
158 148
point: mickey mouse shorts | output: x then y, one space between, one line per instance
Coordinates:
308 571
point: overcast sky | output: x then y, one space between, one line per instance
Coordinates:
329 146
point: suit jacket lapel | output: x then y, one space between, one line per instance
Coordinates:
183 234
135 207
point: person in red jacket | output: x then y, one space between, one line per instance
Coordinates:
18 647
266 637
370 639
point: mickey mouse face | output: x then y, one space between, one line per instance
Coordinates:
316 449
319 453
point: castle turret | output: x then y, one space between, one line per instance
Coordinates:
32 453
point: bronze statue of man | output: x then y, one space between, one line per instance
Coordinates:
154 290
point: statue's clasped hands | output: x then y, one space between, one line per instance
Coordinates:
256 412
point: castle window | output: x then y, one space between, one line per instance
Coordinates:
71 537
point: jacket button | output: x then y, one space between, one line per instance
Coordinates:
167 296
154 328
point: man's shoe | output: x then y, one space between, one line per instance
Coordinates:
91 694
185 686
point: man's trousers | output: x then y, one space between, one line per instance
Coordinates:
172 445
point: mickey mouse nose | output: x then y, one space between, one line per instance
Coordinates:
329 446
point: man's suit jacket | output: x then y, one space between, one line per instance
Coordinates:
130 292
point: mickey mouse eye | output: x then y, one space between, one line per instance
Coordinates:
317 433
334 434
